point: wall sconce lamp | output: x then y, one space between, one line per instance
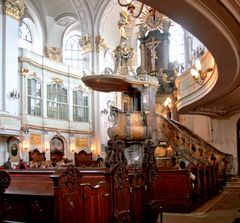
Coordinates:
198 75
25 71
72 148
46 147
25 130
131 7
14 94
168 102
93 148
104 111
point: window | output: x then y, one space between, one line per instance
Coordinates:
34 97
57 106
25 37
80 106
72 51
176 47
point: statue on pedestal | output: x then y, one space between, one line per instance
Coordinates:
123 21
123 55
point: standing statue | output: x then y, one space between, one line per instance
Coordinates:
123 55
123 21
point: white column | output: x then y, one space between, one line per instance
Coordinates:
1 56
44 95
10 75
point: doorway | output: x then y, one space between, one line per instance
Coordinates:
238 145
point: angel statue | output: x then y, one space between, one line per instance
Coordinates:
123 21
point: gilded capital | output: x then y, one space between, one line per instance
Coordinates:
85 43
14 8
100 44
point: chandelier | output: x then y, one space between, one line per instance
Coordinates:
131 7
198 74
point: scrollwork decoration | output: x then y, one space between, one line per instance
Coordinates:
71 177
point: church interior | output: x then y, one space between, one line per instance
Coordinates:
118 111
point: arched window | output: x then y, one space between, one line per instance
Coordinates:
176 46
34 97
57 106
72 50
25 36
80 106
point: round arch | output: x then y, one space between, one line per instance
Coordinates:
32 20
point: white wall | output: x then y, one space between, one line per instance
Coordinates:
221 133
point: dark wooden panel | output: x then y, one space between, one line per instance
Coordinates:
173 190
96 203
27 208
61 195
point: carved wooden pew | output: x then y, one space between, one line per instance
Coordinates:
65 194
4 181
173 189
29 198
206 183
4 184
84 159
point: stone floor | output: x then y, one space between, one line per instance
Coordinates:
224 208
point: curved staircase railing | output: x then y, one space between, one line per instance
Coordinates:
190 146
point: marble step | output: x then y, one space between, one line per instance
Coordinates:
233 184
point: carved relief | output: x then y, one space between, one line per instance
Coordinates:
14 8
116 158
81 142
120 177
72 177
57 81
149 162
54 53
85 43
35 139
